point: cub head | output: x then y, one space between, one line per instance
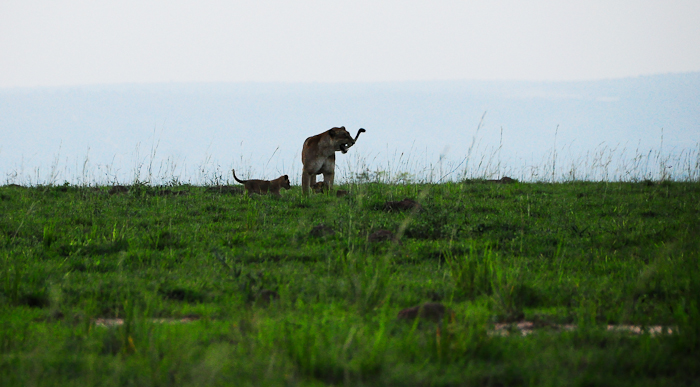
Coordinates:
319 187
285 182
342 140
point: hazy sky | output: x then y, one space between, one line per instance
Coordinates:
47 43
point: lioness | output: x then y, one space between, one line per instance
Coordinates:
264 186
318 155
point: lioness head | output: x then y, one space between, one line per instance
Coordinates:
342 140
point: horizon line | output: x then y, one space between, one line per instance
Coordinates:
309 83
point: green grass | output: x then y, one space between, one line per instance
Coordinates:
591 254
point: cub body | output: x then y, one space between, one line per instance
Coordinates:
262 187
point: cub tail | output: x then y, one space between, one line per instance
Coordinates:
238 180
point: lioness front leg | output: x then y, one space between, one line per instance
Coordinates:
328 178
306 181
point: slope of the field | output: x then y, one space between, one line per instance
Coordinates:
187 285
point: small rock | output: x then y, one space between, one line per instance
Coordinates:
404 205
225 189
321 231
118 189
503 180
169 192
435 296
266 296
381 235
57 315
429 311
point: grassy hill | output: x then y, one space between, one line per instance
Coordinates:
189 285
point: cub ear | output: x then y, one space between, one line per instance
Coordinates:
331 133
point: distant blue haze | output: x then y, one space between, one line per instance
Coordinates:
198 132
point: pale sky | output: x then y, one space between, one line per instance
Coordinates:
52 43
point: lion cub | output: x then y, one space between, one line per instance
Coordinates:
264 186
320 187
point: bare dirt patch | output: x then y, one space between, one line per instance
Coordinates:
525 328
434 311
115 322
